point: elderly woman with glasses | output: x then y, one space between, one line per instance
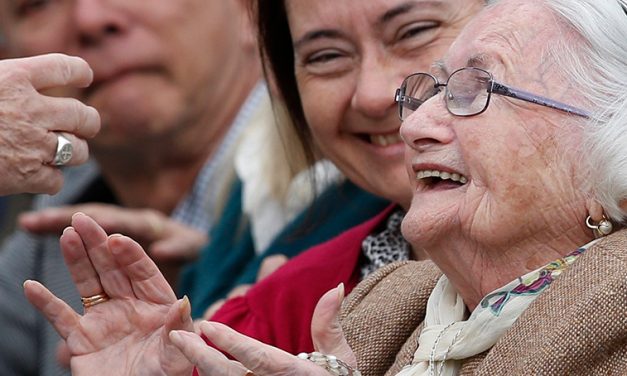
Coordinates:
515 150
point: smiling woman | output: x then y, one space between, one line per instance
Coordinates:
349 58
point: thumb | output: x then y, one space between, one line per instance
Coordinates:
326 331
63 354
177 318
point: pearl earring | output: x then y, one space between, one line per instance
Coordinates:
603 228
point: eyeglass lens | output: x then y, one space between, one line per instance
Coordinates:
416 88
467 92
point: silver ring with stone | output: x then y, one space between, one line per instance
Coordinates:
64 151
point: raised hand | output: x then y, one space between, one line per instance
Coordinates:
262 359
29 121
128 333
164 239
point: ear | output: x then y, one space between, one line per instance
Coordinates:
594 209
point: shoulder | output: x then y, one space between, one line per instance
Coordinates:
578 325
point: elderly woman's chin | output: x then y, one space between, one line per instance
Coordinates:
430 221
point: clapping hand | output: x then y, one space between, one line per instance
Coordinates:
133 324
255 358
126 332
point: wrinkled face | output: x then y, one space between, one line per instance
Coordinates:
157 63
520 160
350 57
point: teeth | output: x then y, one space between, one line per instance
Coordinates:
442 175
385 140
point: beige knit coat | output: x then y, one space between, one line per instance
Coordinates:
578 326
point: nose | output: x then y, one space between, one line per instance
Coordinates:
430 125
98 20
374 91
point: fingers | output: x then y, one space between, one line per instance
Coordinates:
178 242
177 318
48 221
145 277
256 356
270 264
113 278
207 360
81 269
110 217
48 179
326 331
80 149
67 115
52 70
59 314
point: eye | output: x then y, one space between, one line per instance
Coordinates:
416 29
28 7
323 57
330 61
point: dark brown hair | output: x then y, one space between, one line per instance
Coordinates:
277 51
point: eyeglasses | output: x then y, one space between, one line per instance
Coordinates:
467 93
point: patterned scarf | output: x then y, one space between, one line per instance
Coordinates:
447 338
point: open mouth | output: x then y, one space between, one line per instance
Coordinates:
382 139
440 180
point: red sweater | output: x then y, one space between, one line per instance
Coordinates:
278 310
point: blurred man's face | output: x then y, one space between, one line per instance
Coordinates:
157 63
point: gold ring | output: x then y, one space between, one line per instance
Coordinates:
91 301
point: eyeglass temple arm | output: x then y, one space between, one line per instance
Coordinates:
511 92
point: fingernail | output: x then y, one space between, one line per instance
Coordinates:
65 230
340 292
175 336
184 310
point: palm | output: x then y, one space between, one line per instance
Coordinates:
126 335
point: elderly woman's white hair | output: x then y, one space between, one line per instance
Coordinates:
596 59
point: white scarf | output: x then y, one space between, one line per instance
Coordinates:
446 337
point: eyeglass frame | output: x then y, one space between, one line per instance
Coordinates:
493 87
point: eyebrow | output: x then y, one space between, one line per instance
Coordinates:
406 7
480 60
318 34
396 11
